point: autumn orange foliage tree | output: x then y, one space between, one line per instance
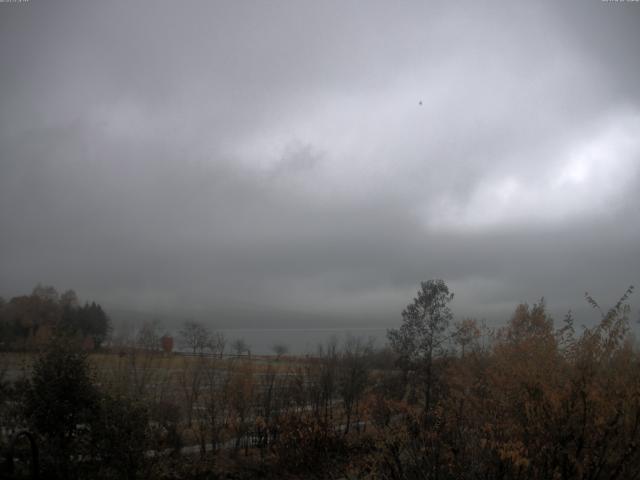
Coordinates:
541 403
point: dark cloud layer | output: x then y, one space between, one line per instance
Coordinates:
271 163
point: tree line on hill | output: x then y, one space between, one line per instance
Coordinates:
31 321
447 400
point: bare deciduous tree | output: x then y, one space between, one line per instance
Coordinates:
280 349
194 336
353 376
240 346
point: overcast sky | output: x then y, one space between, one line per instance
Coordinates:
314 161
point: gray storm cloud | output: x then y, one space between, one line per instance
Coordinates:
316 160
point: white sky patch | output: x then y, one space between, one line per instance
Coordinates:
575 172
414 127
358 134
589 176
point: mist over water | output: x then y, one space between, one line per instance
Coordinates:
299 341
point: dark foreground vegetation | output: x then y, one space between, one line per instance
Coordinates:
446 400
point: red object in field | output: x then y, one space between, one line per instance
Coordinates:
167 343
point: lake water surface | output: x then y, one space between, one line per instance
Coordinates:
299 340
